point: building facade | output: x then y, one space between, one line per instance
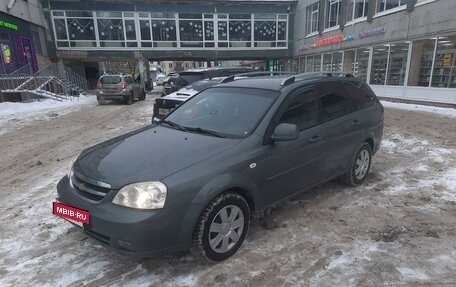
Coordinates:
22 36
405 49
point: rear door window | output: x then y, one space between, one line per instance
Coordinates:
110 80
332 101
359 94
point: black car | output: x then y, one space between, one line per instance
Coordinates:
194 179
164 105
182 79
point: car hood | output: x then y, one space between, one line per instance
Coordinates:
148 154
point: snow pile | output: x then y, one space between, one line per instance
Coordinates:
445 112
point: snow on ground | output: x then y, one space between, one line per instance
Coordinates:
13 115
445 112
396 229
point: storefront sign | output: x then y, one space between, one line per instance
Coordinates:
8 25
373 32
332 40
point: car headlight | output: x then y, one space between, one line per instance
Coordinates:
142 195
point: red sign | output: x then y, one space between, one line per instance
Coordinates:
71 213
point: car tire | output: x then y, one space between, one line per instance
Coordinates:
130 99
359 167
221 228
142 97
101 101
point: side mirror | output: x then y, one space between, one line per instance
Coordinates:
285 132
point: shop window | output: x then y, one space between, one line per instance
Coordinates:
379 64
191 31
357 9
239 31
361 63
397 64
302 65
337 62
312 18
163 30
444 74
327 58
332 13
317 63
421 62
110 29
81 29
383 5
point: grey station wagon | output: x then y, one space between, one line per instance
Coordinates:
193 179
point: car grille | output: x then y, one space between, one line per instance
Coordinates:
89 190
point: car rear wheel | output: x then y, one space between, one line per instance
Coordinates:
360 166
142 97
130 99
101 100
222 227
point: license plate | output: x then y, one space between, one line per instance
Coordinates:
163 112
72 214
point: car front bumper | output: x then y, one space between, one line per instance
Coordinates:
140 233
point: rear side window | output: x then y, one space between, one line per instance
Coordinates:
110 80
302 111
360 94
333 101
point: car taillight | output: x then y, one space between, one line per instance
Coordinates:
98 85
123 85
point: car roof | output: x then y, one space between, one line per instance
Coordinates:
277 82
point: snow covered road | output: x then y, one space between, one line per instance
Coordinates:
399 228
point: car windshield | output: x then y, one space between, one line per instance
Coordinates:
110 80
230 112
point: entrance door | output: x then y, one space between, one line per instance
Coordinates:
28 53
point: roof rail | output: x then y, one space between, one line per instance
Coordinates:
288 81
228 79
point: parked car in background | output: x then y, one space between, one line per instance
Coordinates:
164 105
119 87
176 82
160 79
194 179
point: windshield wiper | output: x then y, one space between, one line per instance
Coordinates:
174 125
204 131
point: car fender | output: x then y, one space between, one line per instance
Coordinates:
226 182
207 193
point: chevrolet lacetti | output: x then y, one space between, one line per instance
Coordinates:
194 179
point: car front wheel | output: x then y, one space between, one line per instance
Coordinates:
222 227
360 166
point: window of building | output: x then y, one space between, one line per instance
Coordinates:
357 9
302 111
265 28
383 5
312 18
170 65
379 64
397 65
332 62
444 73
361 63
421 62
81 32
240 30
332 13
191 30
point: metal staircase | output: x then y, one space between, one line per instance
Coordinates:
53 81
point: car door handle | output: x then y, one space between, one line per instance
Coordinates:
315 138
355 123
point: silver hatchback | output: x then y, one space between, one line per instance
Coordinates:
119 87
